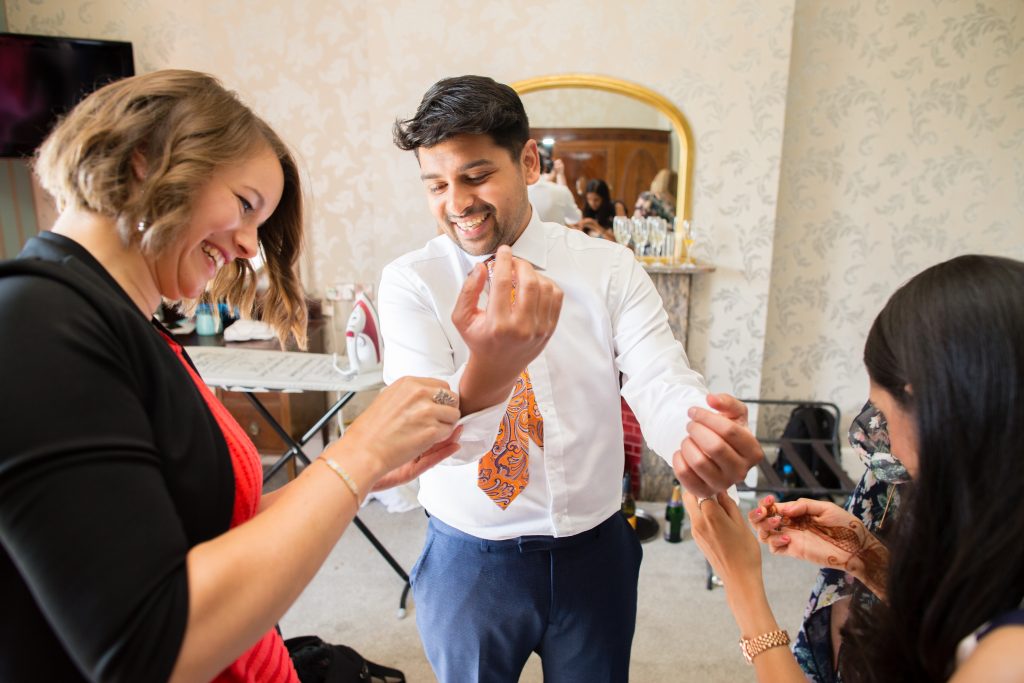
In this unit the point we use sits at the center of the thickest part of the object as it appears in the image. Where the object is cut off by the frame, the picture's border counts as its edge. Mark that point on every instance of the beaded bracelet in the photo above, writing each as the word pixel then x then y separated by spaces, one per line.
pixel 343 475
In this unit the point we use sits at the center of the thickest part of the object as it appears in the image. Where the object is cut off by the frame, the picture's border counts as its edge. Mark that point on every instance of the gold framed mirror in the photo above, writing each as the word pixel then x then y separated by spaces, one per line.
pixel 681 128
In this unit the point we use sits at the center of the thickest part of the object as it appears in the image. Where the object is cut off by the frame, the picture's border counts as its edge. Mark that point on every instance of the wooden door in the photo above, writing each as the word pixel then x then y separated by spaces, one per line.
pixel 625 158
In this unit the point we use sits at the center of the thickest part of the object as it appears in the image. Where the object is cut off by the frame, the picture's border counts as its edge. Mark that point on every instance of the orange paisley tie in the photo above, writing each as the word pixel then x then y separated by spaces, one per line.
pixel 504 471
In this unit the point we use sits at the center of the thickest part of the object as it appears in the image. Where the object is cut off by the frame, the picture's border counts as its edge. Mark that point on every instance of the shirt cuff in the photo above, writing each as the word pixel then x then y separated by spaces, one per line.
pixel 479 429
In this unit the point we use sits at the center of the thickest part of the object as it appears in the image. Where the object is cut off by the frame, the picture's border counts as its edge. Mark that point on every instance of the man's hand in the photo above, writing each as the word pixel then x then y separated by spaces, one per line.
pixel 719 450
pixel 509 333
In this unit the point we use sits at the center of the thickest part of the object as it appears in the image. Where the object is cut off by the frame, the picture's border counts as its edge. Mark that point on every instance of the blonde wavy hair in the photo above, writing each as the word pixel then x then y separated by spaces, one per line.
pixel 185 125
pixel 664 184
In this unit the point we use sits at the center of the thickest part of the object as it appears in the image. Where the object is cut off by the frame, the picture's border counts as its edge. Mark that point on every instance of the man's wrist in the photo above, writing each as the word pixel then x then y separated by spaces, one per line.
pixel 481 386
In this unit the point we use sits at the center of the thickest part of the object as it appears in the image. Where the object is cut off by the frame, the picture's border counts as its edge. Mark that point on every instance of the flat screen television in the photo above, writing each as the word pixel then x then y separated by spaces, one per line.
pixel 42 77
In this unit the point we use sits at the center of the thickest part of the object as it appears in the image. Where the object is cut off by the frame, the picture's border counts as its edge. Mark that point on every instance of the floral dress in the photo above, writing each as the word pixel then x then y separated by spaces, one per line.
pixel 875 501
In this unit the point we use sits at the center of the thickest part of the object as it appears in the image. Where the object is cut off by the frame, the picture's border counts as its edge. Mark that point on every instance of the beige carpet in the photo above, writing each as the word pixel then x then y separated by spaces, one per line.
pixel 684 632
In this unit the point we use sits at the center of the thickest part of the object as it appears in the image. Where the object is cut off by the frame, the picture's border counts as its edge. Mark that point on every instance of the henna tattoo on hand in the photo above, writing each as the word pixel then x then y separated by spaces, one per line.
pixel 866 554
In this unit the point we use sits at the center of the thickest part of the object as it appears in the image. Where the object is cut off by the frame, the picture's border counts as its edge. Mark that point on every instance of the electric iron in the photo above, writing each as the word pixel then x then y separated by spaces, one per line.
pixel 362 337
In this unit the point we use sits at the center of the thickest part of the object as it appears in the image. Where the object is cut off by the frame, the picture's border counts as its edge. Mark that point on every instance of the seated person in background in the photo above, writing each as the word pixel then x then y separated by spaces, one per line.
pixel 553 200
pixel 875 502
pixel 135 542
pixel 620 208
pixel 664 185
pixel 647 204
pixel 598 211
pixel 951 581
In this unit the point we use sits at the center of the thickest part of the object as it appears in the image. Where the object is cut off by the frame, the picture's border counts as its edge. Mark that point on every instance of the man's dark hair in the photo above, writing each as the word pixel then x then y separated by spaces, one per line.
pixel 466 105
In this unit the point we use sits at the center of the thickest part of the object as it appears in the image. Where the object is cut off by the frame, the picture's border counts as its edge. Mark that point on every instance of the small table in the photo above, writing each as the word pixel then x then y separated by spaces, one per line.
pixel 255 370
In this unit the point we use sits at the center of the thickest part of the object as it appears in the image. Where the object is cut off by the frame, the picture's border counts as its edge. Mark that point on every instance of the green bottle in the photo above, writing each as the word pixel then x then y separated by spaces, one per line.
pixel 628 502
pixel 674 514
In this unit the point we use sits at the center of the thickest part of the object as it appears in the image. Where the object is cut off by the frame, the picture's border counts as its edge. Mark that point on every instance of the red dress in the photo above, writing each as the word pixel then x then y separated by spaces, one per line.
pixel 267 661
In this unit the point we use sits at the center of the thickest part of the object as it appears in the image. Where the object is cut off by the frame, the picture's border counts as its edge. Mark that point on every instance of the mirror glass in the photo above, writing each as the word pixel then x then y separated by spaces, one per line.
pixel 605 135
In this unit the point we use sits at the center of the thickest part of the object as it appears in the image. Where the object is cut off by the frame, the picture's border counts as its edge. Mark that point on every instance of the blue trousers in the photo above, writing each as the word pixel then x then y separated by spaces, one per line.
pixel 483 606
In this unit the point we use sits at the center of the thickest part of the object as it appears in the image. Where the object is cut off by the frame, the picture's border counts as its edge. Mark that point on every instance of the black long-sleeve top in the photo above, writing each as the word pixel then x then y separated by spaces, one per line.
pixel 111 469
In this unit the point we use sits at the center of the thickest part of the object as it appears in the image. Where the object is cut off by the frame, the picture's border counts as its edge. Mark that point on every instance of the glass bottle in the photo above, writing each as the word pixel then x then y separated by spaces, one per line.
pixel 628 502
pixel 674 514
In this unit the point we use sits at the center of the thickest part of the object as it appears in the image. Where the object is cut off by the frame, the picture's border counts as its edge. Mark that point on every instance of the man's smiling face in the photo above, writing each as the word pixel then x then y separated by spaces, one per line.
pixel 477 191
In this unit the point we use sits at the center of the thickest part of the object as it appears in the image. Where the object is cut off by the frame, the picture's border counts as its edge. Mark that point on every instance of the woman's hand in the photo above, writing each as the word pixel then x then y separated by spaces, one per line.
pixel 725 539
pixel 822 533
pixel 421 463
pixel 802 529
pixel 403 422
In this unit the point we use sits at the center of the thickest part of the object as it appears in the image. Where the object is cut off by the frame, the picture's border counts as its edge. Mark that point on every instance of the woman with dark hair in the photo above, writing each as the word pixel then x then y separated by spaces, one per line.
pixel 875 501
pixel 598 211
pixel 135 540
pixel 950 576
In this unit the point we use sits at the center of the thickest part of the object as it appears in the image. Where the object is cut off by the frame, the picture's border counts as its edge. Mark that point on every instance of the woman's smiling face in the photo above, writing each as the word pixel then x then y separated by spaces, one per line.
pixel 226 214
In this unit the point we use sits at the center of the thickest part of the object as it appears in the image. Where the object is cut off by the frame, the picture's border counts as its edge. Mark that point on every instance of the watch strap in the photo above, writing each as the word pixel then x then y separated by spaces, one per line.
pixel 755 646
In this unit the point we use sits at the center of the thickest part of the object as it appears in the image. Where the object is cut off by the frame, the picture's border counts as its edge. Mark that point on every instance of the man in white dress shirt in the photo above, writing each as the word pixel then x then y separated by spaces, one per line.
pixel 526 550
pixel 553 201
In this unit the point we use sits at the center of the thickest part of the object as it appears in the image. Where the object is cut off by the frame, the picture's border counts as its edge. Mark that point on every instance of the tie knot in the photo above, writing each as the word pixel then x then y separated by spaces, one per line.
pixel 490 275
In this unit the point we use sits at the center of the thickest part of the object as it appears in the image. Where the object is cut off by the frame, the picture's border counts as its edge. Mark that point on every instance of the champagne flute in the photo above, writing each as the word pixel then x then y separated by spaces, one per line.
pixel 620 226
pixel 670 244
pixel 688 239
pixel 640 235
pixel 656 228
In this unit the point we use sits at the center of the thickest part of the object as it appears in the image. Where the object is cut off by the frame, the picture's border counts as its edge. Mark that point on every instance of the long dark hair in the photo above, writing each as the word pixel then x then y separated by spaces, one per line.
pixel 604 213
pixel 949 347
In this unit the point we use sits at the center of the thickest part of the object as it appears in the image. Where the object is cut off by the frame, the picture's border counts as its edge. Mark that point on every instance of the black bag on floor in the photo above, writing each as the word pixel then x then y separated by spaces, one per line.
pixel 319 662
pixel 807 422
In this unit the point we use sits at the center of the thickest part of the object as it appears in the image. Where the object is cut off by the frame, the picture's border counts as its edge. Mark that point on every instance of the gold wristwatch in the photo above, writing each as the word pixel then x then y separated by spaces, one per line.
pixel 766 641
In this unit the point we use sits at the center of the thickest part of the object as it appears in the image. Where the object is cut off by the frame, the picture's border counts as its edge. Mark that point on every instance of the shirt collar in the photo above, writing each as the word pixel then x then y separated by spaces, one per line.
pixel 531 245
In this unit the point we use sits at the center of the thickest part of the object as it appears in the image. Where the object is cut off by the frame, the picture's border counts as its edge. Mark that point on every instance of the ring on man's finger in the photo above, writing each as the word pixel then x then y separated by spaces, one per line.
pixel 443 398
pixel 701 501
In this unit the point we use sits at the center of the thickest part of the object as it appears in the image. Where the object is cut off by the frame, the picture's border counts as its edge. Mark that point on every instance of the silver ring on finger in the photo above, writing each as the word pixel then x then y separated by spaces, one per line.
pixel 443 398
pixel 701 501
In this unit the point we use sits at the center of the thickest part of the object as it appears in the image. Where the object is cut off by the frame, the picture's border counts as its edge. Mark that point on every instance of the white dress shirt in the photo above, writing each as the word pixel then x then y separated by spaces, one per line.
pixel 612 321
pixel 553 202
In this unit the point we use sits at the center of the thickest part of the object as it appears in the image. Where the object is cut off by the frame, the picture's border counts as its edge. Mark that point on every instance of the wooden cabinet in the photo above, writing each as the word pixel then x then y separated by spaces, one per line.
pixel 295 412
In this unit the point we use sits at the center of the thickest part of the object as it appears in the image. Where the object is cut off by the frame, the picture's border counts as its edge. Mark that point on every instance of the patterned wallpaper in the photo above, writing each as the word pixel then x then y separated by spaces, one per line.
pixel 904 146
pixel 332 76
pixel 904 138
